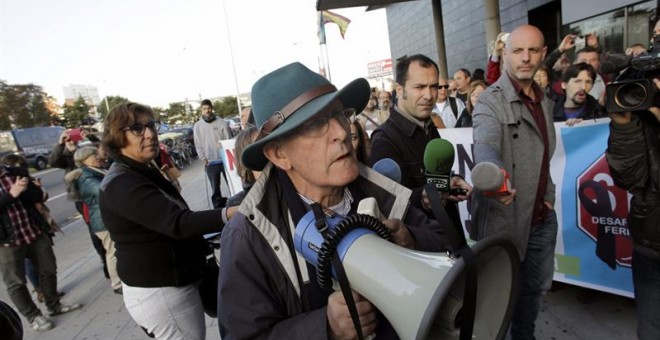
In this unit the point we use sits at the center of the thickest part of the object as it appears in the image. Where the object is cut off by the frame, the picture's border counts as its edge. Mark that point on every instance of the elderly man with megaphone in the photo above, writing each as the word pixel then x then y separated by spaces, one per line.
pixel 304 149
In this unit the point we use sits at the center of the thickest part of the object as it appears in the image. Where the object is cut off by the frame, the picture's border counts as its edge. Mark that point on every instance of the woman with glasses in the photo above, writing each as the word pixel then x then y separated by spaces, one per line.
pixel 160 248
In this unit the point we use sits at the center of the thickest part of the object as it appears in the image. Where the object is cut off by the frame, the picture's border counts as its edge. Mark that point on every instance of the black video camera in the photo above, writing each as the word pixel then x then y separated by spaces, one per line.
pixel 634 90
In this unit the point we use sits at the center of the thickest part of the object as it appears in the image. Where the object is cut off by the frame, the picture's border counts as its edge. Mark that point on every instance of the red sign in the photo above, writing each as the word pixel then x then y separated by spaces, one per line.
pixel 380 68
pixel 602 214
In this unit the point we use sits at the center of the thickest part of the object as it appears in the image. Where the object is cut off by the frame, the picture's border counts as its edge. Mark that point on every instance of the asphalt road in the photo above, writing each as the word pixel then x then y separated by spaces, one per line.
pixel 62 210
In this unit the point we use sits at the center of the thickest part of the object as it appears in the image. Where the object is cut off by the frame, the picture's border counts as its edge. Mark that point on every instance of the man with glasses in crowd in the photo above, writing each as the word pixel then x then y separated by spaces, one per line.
pixel 304 150
pixel 447 108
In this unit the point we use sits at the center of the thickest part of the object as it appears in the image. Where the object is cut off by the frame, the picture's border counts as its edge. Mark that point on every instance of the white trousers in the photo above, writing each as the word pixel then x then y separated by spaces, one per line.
pixel 170 313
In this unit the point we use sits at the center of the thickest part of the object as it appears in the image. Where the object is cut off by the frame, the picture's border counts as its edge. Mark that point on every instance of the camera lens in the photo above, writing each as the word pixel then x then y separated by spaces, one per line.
pixel 630 96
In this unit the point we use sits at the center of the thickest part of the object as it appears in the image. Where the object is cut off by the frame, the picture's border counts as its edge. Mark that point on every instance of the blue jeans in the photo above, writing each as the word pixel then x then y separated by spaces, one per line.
pixel 213 172
pixel 535 277
pixel 646 280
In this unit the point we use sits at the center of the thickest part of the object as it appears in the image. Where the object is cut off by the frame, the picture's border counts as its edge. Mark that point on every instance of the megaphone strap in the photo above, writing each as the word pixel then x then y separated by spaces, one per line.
pixel 322 227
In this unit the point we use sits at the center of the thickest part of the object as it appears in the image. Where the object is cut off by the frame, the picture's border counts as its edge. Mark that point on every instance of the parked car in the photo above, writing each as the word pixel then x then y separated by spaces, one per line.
pixel 35 144
pixel 234 125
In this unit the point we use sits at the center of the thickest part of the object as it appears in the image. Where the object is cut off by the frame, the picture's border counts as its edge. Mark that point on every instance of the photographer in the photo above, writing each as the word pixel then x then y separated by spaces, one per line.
pixel 633 155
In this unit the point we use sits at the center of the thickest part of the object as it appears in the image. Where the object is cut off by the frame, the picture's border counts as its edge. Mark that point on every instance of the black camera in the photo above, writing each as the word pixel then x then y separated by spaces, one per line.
pixel 12 171
pixel 634 90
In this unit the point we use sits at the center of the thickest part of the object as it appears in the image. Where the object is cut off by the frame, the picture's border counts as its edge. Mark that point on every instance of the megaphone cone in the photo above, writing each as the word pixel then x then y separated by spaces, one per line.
pixel 421 293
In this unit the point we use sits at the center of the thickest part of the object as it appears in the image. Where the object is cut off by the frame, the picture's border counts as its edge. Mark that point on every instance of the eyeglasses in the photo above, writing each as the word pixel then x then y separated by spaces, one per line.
pixel 318 126
pixel 443 87
pixel 138 129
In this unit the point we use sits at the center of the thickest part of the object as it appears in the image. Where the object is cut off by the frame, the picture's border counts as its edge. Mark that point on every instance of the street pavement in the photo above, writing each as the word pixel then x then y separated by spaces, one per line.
pixel 103 315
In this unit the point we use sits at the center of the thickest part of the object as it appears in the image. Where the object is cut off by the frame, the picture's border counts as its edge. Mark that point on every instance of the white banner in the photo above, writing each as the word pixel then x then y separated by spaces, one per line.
pixel 594 248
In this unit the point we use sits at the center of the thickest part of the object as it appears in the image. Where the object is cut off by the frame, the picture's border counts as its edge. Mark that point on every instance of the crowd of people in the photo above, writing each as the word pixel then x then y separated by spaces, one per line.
pixel 310 148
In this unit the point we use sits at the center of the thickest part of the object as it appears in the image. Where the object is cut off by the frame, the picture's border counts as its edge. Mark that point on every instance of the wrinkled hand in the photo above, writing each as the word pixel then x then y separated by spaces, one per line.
pixel 339 318
pixel 400 233
pixel 573 121
pixel 567 43
pixel 18 187
pixel 459 182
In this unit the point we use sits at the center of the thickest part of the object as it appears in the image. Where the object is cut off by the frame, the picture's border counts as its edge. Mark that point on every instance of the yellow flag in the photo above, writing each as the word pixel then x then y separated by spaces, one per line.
pixel 341 21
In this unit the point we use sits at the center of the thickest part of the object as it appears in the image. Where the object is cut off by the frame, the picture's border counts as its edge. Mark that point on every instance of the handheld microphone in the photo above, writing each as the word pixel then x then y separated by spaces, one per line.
pixel 492 180
pixel 388 168
pixel 438 161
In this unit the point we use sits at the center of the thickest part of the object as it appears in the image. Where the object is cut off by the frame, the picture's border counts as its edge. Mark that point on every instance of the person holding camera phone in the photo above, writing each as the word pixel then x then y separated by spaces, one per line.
pixel 633 155
pixel 62 157
pixel 24 233
pixel 588 52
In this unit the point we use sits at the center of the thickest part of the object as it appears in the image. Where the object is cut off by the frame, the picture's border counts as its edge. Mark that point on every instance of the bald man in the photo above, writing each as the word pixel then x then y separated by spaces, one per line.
pixel 513 129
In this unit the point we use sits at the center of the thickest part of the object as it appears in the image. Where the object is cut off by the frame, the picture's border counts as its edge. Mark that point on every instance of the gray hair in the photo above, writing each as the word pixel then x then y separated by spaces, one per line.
pixel 83 153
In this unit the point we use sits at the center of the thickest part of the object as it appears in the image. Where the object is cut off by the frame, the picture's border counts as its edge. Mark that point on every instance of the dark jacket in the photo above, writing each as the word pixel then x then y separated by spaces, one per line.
pixel 263 292
pixel 33 194
pixel 591 111
pixel 464 120
pixel 158 239
pixel 633 154
pixel 62 158
pixel 404 142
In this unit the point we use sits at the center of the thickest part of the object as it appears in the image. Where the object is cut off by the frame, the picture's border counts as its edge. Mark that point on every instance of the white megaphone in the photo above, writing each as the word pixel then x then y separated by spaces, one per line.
pixel 421 293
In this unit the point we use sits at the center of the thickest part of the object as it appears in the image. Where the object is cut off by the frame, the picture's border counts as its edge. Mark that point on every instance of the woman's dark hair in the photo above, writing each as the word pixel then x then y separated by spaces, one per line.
pixel 575 69
pixel 121 116
pixel 362 151
pixel 245 138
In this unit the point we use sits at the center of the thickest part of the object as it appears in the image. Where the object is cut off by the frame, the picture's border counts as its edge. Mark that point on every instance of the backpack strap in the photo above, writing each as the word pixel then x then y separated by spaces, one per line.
pixel 454 107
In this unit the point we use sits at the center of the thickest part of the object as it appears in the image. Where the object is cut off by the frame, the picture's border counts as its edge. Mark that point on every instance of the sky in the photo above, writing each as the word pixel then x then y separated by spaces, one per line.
pixel 161 51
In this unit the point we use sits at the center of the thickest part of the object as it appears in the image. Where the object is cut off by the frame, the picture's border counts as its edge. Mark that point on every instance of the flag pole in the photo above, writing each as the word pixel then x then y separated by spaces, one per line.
pixel 233 62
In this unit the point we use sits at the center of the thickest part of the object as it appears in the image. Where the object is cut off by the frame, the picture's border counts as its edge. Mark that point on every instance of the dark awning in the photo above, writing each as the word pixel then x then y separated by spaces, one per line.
pixel 373 4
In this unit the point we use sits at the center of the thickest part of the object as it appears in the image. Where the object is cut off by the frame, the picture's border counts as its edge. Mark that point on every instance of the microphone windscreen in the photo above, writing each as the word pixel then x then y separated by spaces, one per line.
pixel 388 168
pixel 439 156
pixel 487 176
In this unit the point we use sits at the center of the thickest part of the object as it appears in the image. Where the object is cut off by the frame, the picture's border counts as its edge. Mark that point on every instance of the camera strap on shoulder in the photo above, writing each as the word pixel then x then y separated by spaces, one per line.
pixel 453 105
pixel 322 227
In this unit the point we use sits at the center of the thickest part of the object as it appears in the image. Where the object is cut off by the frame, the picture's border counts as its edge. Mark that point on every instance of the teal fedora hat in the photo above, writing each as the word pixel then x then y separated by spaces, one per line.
pixel 288 97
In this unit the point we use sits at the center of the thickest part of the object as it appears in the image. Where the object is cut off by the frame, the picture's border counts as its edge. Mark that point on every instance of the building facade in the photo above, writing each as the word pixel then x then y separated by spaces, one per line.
pixel 457 33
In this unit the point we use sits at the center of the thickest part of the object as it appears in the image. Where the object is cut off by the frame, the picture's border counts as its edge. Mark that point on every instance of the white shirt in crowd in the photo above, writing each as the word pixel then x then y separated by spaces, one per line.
pixel 443 110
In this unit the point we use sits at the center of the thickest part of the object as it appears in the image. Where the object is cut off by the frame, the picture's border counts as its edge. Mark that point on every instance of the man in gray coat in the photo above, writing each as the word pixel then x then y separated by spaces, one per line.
pixel 208 132
pixel 513 129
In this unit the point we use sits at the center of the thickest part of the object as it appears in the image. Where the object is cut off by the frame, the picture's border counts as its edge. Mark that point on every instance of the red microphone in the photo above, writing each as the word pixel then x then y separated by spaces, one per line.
pixel 491 180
